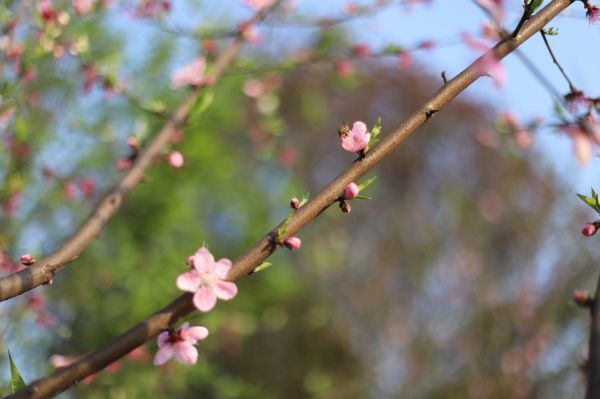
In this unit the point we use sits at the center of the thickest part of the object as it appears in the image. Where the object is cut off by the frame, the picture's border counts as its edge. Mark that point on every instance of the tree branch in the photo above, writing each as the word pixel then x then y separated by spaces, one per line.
pixel 593 364
pixel 42 271
pixel 245 263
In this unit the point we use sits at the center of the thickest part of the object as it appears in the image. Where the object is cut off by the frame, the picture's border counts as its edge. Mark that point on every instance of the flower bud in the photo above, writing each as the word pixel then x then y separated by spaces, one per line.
pixel 589 229
pixel 293 243
pixel 345 207
pixel 351 191
pixel 27 260
pixel 295 203
pixel 175 159
pixel 133 143
pixel 581 297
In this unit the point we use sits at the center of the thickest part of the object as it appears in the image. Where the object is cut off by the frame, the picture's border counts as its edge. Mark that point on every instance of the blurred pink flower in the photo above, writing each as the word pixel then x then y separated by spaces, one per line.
pixel 207 280
pixel 83 7
pixel 582 143
pixel 253 88
pixel 489 63
pixel 179 343
pixel 190 74
pixel 357 138
pixel 175 159
pixel 592 12
pixel 123 164
pixel 259 4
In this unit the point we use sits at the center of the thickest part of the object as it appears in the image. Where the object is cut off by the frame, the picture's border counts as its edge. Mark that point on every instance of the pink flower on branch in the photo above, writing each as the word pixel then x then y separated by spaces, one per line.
pixel 83 7
pixel 206 280
pixel 180 343
pixel 175 159
pixel 190 74
pixel 592 12
pixel 355 139
pixel 293 243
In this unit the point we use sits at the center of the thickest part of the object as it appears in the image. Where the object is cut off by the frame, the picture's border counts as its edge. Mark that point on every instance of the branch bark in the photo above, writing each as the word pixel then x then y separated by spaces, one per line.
pixel 42 271
pixel 593 366
pixel 245 263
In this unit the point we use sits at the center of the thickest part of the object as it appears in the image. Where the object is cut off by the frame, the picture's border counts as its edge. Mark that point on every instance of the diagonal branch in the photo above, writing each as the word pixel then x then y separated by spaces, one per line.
pixel 39 273
pixel 245 263
pixel 593 364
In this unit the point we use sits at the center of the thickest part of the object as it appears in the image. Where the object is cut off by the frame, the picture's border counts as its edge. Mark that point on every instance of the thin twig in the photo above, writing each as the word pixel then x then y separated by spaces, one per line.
pixel 560 68
pixel 245 263
pixel 39 273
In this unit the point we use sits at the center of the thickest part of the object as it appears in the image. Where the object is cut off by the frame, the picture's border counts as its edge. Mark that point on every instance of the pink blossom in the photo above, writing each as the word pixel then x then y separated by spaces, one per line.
pixel 351 191
pixel 293 243
pixel 582 143
pixel 253 88
pixel 190 74
pixel 133 143
pixel 179 343
pixel 287 156
pixel 123 164
pixel 87 186
pixel 344 68
pixel 592 12
pixel 70 189
pixel 207 280
pixel 258 5
pixel 175 159
pixel 489 63
pixel 249 33
pixel 495 7
pixel 404 59
pixel 357 138
pixel 361 50
pixel 83 7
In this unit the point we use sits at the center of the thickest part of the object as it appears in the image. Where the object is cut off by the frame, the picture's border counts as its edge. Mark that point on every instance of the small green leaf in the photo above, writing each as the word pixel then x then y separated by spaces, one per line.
pixel 589 201
pixel 532 5
pixel 551 31
pixel 362 197
pixel 262 266
pixel 366 183
pixel 16 381
pixel 304 199
pixel 204 101
pixel 374 133
pixel 281 230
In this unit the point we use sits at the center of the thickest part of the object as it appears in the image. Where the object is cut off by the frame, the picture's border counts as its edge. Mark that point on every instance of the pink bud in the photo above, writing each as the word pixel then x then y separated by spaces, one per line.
pixel 133 143
pixel 581 297
pixel 295 203
pixel 27 260
pixel 351 191
pixel 293 243
pixel 123 164
pixel 175 159
pixel 589 229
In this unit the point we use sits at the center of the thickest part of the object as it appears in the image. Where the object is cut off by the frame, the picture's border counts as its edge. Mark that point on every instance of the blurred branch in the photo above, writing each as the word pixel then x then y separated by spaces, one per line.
pixel 245 263
pixel 42 271
pixel 593 364
pixel 535 71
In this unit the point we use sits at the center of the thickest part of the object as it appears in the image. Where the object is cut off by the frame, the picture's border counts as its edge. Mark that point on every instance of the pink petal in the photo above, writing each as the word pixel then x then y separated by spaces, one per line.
pixel 205 298
pixel 194 334
pixel 162 338
pixel 583 148
pixel 222 268
pixel 225 290
pixel 163 354
pixel 204 261
pixel 186 353
pixel 189 281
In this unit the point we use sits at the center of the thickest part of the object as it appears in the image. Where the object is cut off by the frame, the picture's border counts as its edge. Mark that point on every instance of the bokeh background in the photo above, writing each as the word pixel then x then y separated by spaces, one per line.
pixel 454 281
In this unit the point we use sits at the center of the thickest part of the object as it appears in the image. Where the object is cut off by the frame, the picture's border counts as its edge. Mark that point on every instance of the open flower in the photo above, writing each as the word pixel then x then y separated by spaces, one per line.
pixel 207 280
pixel 190 74
pixel 179 343
pixel 355 139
